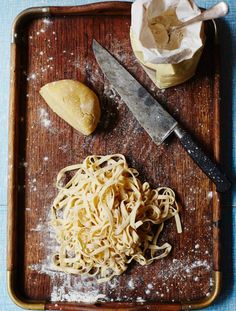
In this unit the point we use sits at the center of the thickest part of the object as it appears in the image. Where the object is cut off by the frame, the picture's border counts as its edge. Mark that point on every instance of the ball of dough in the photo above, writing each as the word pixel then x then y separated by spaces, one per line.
pixel 74 102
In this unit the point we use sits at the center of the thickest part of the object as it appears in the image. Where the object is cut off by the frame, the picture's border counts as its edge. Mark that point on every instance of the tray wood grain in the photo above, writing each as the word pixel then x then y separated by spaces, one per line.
pixel 55 43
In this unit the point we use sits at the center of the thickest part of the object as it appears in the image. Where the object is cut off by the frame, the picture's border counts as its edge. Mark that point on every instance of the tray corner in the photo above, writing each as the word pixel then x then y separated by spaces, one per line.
pixel 16 297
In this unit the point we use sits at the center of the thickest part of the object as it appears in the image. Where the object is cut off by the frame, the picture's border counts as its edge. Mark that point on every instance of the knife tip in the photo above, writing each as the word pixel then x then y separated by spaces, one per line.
pixel 96 45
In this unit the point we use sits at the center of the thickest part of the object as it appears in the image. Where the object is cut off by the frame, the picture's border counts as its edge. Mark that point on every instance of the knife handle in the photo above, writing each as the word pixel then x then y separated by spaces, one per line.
pixel 203 161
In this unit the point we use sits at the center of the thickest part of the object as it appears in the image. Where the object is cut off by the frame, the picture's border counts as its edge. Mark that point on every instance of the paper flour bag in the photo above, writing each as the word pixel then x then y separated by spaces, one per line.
pixel 169 56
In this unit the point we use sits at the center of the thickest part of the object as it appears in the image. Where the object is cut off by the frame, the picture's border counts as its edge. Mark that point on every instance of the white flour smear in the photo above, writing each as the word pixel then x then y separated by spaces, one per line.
pixel 72 288
pixel 64 287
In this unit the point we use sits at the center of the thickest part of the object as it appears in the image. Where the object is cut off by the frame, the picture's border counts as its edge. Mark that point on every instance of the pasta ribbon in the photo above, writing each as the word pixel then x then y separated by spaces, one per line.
pixel 104 218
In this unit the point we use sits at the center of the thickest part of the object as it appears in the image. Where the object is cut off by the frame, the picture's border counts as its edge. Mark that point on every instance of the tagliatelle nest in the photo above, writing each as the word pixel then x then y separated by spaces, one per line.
pixel 104 218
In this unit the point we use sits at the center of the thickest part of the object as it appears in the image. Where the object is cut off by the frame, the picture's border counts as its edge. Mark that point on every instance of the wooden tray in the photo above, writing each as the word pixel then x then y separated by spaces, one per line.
pixel 55 43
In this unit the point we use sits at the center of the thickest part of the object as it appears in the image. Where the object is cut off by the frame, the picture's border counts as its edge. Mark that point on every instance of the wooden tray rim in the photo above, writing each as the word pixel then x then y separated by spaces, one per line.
pixel 17 298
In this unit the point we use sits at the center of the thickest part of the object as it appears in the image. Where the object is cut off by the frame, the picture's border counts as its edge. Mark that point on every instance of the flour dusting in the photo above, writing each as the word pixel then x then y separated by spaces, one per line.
pixel 64 287
pixel 43 117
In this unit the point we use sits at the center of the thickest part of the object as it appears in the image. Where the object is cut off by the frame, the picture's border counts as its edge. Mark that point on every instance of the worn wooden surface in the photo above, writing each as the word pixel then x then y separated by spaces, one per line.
pixel 59 47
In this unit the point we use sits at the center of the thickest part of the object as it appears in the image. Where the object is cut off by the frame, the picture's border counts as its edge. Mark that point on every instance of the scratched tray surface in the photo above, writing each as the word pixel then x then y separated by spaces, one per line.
pixel 59 47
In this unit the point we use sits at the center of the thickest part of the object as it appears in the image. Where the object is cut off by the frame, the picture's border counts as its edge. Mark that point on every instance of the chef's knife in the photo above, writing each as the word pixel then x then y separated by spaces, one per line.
pixel 157 122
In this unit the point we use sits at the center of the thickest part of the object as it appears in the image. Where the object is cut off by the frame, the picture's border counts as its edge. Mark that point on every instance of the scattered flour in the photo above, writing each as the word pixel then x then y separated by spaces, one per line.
pixel 150 286
pixel 59 294
pixel 38 228
pixel 32 76
pixel 64 287
pixel 114 283
pixel 131 284
pixel 47 21
pixel 71 291
pixel 64 148
pixel 181 267
pixel 43 117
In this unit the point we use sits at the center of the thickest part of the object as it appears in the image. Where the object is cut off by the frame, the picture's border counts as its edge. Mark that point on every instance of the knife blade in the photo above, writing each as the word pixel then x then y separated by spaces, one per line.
pixel 157 122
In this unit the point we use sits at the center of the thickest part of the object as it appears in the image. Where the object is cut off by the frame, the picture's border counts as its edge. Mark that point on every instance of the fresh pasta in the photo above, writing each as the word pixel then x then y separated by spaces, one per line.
pixel 104 218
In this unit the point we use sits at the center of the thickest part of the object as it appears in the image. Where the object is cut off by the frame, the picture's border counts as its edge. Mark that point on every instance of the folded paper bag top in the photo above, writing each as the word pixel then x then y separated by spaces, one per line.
pixel 169 57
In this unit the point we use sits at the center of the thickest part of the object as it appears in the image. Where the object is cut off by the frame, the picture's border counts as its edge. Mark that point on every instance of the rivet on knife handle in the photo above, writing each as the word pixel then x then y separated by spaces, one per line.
pixel 203 161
